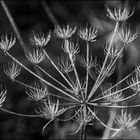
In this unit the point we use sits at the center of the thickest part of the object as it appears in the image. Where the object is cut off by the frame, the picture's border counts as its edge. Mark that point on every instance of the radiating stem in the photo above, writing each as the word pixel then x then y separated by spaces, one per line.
pixel 116 91
pixel 31 87
pixel 103 67
pixel 87 75
pixel 109 68
pixel 52 77
pixel 75 71
pixel 58 69
pixel 40 78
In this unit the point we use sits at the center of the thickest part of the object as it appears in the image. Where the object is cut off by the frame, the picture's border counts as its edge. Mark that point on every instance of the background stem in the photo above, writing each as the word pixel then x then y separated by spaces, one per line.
pixel 83 132
pixel 112 115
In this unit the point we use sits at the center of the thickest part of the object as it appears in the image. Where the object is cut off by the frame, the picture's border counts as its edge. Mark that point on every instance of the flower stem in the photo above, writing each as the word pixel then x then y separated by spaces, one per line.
pixel 87 76
pixel 75 71
pixel 11 20
pixel 83 132
pixel 19 114
pixel 40 78
pixel 49 13
pixel 58 69
pixel 98 78
pixel 112 115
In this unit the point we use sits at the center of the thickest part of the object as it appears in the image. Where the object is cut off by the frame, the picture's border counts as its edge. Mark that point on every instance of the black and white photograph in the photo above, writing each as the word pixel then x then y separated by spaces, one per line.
pixel 69 69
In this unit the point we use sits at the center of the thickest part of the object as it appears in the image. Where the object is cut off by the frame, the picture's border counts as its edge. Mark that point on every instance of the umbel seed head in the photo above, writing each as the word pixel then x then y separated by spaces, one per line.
pixel 119 13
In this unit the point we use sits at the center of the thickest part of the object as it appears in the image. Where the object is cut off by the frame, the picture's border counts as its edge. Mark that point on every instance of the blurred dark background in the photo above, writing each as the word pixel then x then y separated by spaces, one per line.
pixel 30 15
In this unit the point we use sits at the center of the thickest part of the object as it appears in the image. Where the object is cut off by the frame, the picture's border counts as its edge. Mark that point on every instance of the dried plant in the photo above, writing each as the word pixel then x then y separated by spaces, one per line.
pixel 75 92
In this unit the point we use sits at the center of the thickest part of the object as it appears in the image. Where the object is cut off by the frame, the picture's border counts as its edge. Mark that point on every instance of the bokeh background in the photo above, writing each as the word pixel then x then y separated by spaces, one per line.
pixel 32 15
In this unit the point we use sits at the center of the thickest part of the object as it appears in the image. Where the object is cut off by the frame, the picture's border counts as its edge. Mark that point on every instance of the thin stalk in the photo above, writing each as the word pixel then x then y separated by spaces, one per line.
pixel 15 28
pixel 75 71
pixel 56 129
pixel 116 91
pixel 112 115
pixel 83 132
pixel 19 114
pixel 117 83
pixel 108 69
pixel 112 112
pixel 40 74
pixel 13 24
pixel 52 77
pixel 110 45
pixel 49 12
pixel 40 78
pixel 70 79
pixel 58 69
pixel 87 75
pixel 120 107
pixel 111 64
pixel 114 129
pixel 26 85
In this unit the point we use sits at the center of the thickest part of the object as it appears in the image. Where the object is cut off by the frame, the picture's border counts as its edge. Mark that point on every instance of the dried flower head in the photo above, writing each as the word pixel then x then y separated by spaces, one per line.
pixel 134 83
pixel 12 70
pixel 64 32
pixel 119 13
pixel 88 34
pixel 2 95
pixel 125 121
pixel 79 90
pixel 70 49
pixel 92 63
pixel 37 93
pixel 52 109
pixel 36 55
pixel 40 39
pixel 106 71
pixel 126 36
pixel 7 42
pixel 64 65
pixel 84 117
pixel 115 51
pixel 109 94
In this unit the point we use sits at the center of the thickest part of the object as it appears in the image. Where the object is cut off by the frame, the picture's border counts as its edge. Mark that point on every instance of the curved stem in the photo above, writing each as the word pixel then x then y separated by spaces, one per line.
pixel 43 130
pixel 114 129
pixel 19 114
pixel 72 116
pixel 112 115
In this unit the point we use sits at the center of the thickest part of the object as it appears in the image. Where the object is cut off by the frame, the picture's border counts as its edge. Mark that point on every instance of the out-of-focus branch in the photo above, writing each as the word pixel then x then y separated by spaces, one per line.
pixel 49 12
pixel 17 32
pixel 11 20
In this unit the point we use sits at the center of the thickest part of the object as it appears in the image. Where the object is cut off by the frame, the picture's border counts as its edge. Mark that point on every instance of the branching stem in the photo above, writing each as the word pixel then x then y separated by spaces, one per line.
pixel 103 67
